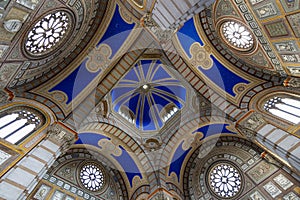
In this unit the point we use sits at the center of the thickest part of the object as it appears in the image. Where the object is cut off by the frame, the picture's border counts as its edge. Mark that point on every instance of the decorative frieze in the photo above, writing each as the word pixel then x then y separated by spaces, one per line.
pixel 62 135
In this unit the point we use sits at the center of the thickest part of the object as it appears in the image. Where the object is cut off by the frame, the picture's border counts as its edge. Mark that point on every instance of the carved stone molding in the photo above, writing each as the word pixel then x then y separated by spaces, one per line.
pixel 62 135
pixel 162 35
pixel 292 82
pixel 5 96
pixel 250 124
pixel 161 194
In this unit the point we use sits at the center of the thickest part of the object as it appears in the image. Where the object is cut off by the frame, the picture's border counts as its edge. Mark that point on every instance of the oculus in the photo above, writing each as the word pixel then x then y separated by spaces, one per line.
pixel 48 33
pixel 92 177
pixel 224 180
pixel 237 35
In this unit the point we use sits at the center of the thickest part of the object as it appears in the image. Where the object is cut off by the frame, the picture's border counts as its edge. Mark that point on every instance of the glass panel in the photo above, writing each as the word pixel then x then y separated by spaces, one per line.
pixel 7 119
pixel 17 136
pixel 291 102
pixel 12 127
pixel 285 115
pixel 288 108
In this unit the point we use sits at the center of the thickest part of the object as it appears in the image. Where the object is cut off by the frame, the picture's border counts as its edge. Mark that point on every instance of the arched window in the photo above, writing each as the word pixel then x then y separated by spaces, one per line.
pixel 19 122
pixel 284 107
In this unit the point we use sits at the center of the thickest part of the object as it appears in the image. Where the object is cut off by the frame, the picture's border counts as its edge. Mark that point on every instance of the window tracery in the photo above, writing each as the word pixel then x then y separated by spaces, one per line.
pixel 225 180
pixel 92 177
pixel 285 108
pixel 47 33
pixel 16 125
pixel 237 35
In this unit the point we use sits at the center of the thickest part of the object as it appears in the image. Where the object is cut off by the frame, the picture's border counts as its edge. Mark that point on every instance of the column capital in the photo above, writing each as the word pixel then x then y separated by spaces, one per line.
pixel 160 34
pixel 62 135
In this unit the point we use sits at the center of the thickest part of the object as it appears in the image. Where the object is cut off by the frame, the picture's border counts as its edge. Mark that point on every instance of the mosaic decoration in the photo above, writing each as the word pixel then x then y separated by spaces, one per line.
pixel 260 37
pixel 3 49
pixel 266 10
pixel 277 29
pixel 145 93
pixel 225 180
pixel 290 5
pixel 4 3
pixel 13 21
pixel 294 58
pixel 256 196
pixel 42 192
pixel 283 182
pixel 28 3
pixel 237 35
pixel 287 46
pixel 58 195
pixel 253 2
pixel 7 72
pixel 291 196
pixel 272 189
pixel 225 8
pixel 261 171
pixel 47 33
pixel 92 177
pixel 294 21
pixel 294 70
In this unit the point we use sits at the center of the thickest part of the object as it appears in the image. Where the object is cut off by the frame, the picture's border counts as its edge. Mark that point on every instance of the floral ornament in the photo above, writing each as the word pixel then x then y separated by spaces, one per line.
pixel 99 58
pixel 200 56
pixel 92 177
pixel 225 180
pixel 237 35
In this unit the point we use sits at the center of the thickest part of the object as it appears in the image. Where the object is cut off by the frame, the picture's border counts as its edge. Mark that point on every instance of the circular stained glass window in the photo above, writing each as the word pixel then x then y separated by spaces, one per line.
pixel 225 180
pixel 47 33
pixel 237 35
pixel 92 177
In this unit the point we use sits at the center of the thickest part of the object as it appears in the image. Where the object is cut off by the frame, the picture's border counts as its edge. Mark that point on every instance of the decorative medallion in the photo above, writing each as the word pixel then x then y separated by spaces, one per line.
pixel 237 35
pixel 92 177
pixel 48 33
pixel 225 180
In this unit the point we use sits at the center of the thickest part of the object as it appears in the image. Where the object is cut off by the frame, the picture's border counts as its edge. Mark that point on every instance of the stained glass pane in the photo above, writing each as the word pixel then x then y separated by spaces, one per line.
pixel 225 180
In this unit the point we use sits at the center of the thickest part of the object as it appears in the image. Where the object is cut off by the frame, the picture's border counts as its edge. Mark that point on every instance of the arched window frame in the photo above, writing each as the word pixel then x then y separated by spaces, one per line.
pixel 32 116
pixel 281 95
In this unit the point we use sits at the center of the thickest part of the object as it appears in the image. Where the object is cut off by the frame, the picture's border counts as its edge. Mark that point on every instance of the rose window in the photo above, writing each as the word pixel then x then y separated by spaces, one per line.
pixel 225 180
pixel 47 33
pixel 92 177
pixel 237 35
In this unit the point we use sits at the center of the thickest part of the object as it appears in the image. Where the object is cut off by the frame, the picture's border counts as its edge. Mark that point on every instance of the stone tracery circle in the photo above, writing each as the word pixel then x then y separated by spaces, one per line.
pixel 225 180
pixel 48 33
pixel 237 35
pixel 92 177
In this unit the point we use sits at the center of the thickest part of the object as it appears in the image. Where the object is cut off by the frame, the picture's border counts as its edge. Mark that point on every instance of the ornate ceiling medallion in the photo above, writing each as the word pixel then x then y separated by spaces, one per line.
pixel 237 35
pixel 225 180
pixel 48 33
